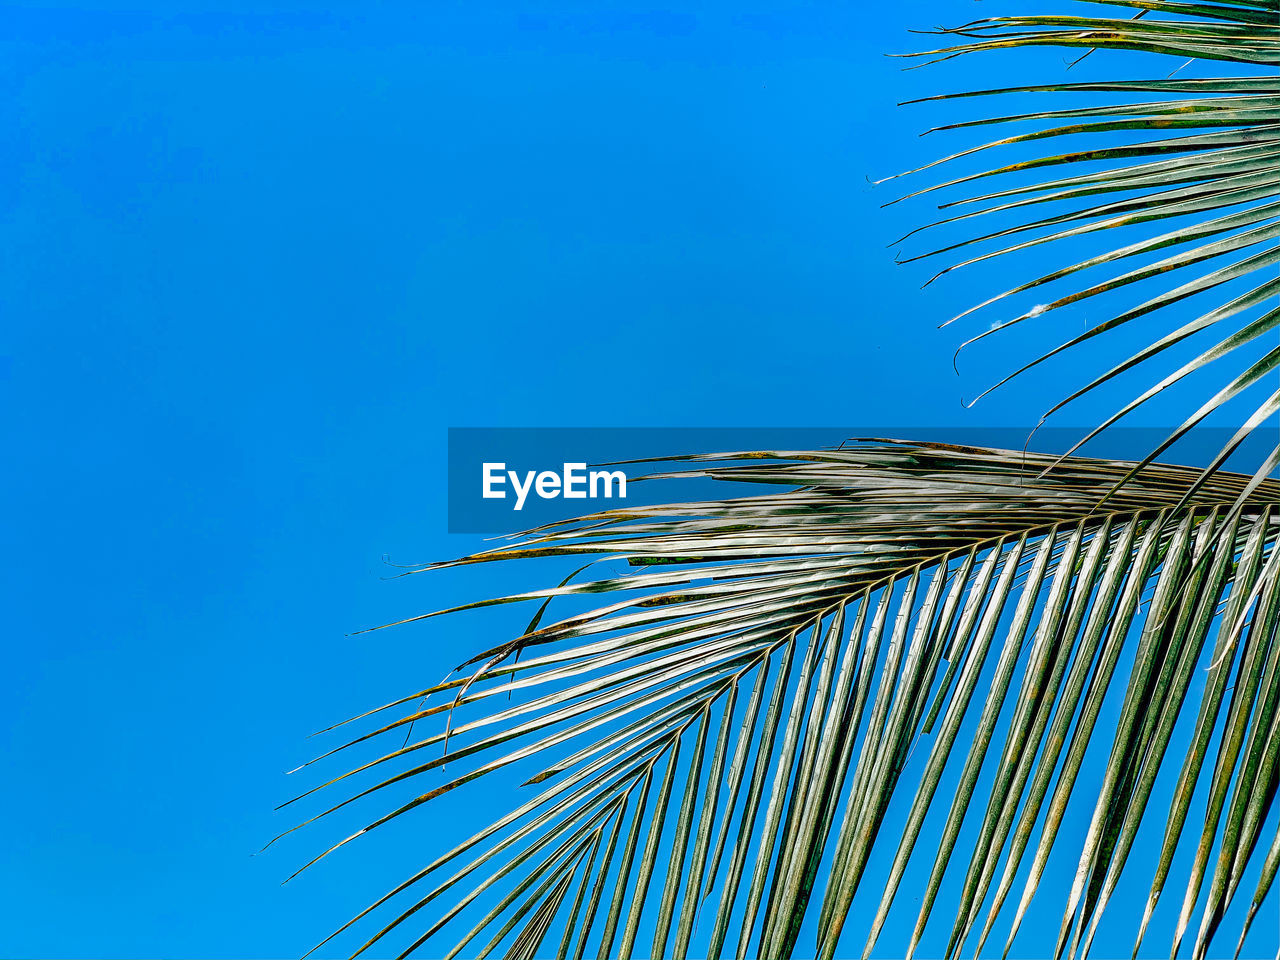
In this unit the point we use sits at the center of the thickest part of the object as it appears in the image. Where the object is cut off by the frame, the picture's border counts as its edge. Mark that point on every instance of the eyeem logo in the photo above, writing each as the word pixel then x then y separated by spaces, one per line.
pixel 573 482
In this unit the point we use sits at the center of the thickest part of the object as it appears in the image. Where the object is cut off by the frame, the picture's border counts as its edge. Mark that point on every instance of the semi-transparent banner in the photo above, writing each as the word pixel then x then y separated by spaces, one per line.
pixel 505 480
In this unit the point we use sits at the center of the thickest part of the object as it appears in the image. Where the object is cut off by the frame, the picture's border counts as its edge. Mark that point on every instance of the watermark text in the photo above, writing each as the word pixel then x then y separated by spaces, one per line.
pixel 573 482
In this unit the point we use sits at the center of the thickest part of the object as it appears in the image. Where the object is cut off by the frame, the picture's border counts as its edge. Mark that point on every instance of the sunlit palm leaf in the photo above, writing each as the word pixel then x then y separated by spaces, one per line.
pixel 721 739
pixel 1195 161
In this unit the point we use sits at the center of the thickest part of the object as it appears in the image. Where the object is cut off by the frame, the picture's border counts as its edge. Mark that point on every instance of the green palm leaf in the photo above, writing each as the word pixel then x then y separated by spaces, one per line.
pixel 711 749
pixel 1192 164
pixel 711 754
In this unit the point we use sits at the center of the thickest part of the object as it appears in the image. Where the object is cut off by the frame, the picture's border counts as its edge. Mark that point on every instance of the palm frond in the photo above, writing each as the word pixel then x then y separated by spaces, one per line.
pixel 1193 162
pixel 714 742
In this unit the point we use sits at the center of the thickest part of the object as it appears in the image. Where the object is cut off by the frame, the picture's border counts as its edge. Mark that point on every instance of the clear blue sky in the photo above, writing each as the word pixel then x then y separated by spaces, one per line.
pixel 258 257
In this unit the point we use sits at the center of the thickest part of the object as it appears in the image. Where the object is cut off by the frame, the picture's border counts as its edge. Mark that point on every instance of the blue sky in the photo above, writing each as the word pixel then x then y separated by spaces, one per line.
pixel 261 256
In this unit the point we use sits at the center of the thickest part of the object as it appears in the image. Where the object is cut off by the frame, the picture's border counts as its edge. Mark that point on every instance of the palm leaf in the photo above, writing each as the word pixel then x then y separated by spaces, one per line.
pixel 716 747
pixel 711 745
pixel 1192 164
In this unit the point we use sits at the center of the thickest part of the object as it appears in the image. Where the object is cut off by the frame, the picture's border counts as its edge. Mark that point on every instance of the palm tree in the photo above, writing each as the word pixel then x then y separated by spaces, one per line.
pixel 716 737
